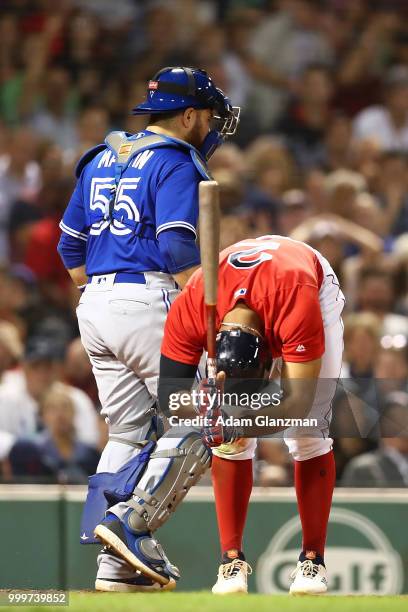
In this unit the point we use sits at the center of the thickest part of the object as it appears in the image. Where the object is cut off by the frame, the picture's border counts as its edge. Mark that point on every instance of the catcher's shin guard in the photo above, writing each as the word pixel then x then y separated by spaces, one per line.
pixel 188 462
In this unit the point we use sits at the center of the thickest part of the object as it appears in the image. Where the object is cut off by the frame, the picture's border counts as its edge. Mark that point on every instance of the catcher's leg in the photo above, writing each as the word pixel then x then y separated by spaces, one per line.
pixel 121 330
pixel 179 460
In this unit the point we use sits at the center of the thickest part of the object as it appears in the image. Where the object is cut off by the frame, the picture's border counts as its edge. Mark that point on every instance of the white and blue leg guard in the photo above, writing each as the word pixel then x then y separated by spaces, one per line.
pixel 106 489
pixel 178 462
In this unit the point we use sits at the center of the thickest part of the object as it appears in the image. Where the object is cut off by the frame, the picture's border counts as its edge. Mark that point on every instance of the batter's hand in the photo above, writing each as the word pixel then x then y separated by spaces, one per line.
pixel 210 394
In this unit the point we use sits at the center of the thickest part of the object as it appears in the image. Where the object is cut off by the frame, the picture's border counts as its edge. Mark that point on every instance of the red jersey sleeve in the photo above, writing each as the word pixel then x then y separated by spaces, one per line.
pixel 301 329
pixel 181 341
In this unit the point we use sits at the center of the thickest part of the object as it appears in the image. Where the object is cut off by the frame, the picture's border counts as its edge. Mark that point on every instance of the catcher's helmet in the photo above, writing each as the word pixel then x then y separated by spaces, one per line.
pixel 176 88
pixel 241 354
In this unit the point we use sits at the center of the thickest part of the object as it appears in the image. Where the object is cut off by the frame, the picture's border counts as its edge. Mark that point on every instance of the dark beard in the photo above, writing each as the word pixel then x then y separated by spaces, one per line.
pixel 195 137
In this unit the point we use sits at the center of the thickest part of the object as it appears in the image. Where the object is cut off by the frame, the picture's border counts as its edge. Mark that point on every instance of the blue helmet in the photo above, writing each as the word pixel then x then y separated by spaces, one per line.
pixel 176 88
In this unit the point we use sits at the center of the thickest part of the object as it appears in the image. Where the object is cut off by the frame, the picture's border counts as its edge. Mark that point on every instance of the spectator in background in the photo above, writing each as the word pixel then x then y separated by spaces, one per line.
pixel 93 125
pixel 294 211
pixel 25 50
pixel 20 179
pixel 55 454
pixel 388 466
pixel 342 187
pixel 391 189
pixel 41 255
pixel 333 236
pixel 160 42
pixel 70 460
pixel 24 211
pixel 275 469
pixel 376 294
pixel 337 150
pixel 371 35
pixel 229 157
pixel 287 42
pixel 11 347
pixel 54 117
pixel 270 167
pixel 387 124
pixel 16 289
pixel 22 390
pixel 391 366
pixel 361 343
pixel 353 421
pixel 83 30
pixel 305 122
pixel 224 65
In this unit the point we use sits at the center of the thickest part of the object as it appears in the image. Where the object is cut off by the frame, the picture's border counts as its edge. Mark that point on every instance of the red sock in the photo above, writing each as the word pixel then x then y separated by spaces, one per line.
pixel 232 482
pixel 314 483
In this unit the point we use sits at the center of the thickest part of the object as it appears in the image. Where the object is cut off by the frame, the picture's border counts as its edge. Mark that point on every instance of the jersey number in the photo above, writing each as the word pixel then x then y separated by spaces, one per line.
pixel 252 256
pixel 124 204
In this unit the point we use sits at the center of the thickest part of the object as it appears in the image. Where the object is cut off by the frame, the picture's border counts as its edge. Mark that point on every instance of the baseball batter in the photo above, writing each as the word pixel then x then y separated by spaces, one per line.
pixel 129 242
pixel 278 300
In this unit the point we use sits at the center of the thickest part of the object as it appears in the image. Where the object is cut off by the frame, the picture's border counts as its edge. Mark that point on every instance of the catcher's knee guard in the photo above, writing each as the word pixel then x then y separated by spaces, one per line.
pixel 188 462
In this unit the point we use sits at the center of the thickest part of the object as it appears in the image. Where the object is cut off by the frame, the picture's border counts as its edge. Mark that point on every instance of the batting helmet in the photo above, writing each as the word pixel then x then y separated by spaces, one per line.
pixel 241 354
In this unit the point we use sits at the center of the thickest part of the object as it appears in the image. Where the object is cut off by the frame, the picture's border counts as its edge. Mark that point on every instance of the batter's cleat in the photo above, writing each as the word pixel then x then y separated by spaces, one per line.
pixel 138 584
pixel 142 552
pixel 309 578
pixel 232 576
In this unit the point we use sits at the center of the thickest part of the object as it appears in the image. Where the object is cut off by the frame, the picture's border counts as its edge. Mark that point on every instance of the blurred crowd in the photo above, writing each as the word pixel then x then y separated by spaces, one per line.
pixel 321 155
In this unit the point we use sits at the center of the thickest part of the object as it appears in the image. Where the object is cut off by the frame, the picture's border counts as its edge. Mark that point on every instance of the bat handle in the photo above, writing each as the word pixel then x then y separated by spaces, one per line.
pixel 211 342
pixel 211 369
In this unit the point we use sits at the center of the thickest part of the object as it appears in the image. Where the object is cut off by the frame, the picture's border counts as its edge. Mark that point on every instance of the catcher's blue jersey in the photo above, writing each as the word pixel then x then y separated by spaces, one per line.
pixel 158 190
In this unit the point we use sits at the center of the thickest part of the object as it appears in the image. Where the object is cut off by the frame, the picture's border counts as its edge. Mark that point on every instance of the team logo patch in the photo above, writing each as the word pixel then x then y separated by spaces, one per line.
pixel 239 292
pixel 153 84
pixel 300 348
pixel 125 149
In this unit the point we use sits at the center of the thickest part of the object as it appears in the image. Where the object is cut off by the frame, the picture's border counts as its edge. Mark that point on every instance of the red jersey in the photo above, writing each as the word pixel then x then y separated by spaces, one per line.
pixel 278 278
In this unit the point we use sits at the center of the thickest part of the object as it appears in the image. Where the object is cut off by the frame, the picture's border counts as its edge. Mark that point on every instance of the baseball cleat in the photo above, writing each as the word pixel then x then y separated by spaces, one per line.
pixel 138 584
pixel 142 552
pixel 232 578
pixel 308 579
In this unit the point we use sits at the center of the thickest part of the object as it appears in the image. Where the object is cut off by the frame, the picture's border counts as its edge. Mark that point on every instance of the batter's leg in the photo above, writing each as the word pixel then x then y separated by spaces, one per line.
pixel 232 477
pixel 315 472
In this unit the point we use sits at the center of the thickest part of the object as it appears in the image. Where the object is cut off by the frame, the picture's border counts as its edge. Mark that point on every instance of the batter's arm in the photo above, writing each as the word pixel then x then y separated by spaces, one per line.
pixel 182 277
pixel 298 383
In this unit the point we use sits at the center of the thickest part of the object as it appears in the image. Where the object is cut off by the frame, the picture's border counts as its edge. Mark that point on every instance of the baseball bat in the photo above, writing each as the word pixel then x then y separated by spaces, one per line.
pixel 209 227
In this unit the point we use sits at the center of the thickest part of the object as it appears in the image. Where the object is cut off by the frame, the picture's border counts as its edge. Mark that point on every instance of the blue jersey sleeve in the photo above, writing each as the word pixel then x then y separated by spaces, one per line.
pixel 178 249
pixel 73 221
pixel 177 199
pixel 72 251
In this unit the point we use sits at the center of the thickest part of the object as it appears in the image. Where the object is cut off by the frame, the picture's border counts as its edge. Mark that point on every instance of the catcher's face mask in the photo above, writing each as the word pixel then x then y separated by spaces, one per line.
pixel 223 124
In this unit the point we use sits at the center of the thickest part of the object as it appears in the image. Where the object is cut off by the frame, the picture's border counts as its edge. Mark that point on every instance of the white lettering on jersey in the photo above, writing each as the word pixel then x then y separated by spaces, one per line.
pixel 124 204
pixel 141 159
pixel 106 160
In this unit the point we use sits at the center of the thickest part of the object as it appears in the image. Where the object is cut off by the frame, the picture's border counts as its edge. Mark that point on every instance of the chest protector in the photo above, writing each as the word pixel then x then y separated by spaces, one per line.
pixel 125 147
